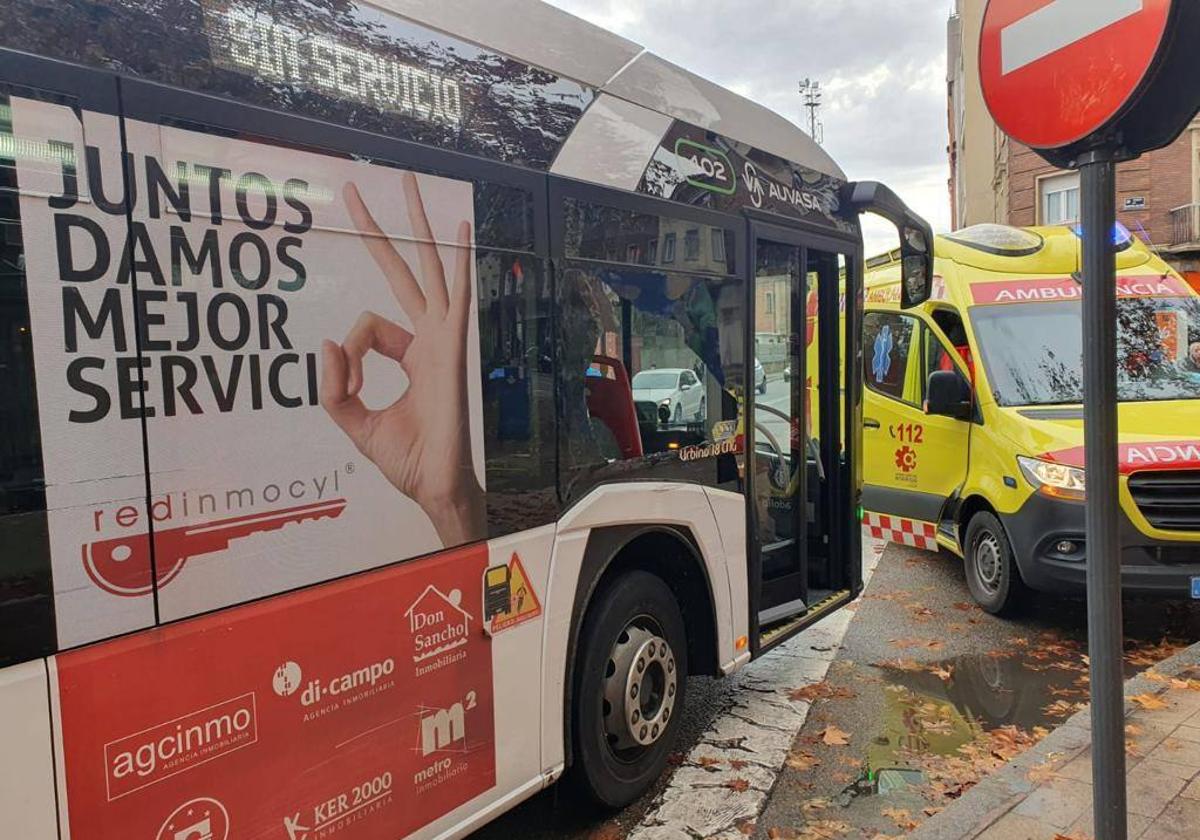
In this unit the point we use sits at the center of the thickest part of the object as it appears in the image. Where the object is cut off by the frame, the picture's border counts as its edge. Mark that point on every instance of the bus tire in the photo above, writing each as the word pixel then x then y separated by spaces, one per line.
pixel 991 567
pixel 629 691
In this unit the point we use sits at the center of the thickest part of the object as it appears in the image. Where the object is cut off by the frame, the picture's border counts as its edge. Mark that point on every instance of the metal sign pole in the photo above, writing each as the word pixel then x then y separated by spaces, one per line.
pixel 1105 629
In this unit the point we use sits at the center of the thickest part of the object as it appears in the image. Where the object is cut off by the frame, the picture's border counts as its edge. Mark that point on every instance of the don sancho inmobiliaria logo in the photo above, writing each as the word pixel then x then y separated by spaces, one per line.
pixel 177 745
pixel 439 627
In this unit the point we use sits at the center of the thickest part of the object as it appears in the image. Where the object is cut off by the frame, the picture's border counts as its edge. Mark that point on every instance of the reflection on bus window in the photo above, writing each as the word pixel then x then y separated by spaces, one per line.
pixel 662 361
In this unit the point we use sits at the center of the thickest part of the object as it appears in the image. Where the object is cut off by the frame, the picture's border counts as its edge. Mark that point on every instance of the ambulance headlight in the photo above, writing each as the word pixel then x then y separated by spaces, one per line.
pixel 1055 480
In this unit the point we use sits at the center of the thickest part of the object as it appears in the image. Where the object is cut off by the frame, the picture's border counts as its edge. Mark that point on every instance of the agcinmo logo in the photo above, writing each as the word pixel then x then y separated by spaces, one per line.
pixel 153 754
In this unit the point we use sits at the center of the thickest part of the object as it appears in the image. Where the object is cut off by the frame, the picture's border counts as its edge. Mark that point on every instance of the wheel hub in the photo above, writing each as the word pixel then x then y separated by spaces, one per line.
pixel 987 562
pixel 639 688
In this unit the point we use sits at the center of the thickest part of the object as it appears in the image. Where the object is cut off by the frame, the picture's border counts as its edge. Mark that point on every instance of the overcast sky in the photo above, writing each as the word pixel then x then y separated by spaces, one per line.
pixel 882 64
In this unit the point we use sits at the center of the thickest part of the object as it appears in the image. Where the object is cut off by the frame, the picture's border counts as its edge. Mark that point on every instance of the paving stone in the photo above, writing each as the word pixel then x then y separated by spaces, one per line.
pixel 1177 711
pixel 1149 736
pixel 705 812
pixel 1179 821
pixel 1078 768
pixel 1150 788
pixel 1176 751
pixel 1085 826
pixel 1014 826
pixel 1192 791
pixel 1057 803
pixel 1187 733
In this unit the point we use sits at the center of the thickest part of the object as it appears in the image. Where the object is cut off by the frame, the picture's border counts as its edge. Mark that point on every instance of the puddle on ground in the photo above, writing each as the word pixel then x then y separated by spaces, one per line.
pixel 937 709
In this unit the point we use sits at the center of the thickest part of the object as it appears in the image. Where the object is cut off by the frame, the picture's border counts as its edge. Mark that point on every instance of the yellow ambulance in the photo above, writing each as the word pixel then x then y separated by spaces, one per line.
pixel 973 424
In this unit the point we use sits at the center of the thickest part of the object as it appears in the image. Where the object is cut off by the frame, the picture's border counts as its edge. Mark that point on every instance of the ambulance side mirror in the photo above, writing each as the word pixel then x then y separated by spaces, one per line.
pixel 948 395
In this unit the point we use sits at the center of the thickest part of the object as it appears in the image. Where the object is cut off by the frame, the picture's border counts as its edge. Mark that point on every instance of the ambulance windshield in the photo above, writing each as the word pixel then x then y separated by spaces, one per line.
pixel 1033 351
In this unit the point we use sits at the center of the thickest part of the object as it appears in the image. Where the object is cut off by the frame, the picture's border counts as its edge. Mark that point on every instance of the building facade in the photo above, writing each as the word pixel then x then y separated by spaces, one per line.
pixel 995 179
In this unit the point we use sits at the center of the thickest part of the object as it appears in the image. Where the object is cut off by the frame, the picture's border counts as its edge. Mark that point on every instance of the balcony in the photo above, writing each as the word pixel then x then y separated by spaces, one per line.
pixel 1185 229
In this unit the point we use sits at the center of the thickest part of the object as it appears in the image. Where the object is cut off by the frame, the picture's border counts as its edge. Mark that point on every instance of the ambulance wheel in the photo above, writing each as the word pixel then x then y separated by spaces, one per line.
pixel 629 688
pixel 991 568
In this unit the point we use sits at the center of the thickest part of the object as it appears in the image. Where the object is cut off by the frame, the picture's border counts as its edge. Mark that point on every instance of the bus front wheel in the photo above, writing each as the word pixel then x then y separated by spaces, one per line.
pixel 991 567
pixel 629 688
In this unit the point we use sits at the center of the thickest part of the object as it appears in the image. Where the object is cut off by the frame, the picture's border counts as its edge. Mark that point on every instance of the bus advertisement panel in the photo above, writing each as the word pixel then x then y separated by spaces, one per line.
pixel 293 334
pixel 361 708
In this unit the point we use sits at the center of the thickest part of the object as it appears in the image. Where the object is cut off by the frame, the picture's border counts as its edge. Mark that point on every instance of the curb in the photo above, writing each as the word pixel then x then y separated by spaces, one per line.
pixel 1008 787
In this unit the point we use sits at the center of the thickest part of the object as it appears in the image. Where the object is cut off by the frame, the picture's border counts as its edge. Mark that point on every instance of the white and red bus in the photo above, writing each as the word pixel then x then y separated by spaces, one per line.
pixel 381 436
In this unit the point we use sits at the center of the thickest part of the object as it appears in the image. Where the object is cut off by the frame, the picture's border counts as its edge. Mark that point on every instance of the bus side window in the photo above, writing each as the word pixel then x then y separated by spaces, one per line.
pixel 515 348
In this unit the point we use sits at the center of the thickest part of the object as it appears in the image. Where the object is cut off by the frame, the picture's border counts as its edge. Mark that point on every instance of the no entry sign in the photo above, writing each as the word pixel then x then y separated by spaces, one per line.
pixel 1056 71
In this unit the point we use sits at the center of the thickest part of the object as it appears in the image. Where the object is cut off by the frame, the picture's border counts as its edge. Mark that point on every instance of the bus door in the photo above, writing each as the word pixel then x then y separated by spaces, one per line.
pixel 794 472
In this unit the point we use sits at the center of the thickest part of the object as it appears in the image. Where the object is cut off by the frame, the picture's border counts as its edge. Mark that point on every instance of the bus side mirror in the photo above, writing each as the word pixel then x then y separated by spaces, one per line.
pixel 916 237
pixel 916 266
pixel 948 395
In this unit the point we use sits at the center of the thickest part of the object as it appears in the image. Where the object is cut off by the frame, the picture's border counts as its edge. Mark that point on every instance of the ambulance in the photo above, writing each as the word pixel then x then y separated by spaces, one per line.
pixel 973 417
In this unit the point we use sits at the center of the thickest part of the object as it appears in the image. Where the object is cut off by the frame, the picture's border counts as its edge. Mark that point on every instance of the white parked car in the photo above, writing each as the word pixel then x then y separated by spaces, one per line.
pixel 760 377
pixel 677 390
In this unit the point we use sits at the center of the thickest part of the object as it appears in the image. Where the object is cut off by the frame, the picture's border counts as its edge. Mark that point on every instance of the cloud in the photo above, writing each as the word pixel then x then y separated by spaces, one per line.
pixel 882 66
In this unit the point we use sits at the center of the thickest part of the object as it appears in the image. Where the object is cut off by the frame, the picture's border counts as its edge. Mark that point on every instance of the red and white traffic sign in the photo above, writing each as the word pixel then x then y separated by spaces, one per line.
pixel 1056 71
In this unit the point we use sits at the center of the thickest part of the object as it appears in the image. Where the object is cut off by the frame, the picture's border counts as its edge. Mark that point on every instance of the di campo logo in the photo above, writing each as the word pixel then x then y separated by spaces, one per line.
pixel 322 696
pixel 287 679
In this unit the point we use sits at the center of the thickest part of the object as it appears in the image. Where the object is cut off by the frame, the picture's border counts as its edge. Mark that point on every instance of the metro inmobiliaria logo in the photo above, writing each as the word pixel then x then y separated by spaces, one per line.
pixel 166 749
pixel 322 696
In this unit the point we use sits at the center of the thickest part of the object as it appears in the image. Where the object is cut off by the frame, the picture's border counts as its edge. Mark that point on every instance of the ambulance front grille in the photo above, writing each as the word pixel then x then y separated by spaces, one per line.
pixel 1170 501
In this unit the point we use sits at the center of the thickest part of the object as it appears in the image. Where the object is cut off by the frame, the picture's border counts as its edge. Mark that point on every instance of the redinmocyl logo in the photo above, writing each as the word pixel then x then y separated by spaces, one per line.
pixel 202 818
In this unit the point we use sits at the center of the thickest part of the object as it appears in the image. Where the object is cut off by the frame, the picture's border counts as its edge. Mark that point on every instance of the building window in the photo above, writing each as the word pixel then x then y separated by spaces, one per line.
pixel 770 303
pixel 668 255
pixel 691 245
pixel 1060 199
pixel 718 244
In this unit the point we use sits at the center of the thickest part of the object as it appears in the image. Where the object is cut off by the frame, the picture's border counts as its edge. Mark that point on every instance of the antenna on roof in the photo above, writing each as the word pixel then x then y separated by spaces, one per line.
pixel 810 89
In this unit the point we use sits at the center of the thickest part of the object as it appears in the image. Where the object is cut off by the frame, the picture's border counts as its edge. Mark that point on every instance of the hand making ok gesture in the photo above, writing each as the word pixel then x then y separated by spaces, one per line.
pixel 422 441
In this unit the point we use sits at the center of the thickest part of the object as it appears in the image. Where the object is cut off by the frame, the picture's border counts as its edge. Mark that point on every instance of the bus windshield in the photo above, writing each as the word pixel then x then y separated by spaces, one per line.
pixel 1033 351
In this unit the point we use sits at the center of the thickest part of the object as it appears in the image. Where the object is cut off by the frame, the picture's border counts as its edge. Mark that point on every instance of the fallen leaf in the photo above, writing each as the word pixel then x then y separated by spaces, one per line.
pixel 737 763
pixel 738 785
pixel 802 761
pixel 746 827
pixel 1149 702
pixel 834 737
pixel 814 805
pixel 901 817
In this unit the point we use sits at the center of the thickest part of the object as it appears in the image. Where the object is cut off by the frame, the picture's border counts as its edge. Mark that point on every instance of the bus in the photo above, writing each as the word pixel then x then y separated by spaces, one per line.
pixel 380 434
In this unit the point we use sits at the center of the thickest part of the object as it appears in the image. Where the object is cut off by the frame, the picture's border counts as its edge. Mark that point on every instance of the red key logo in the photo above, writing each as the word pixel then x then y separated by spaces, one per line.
pixel 121 565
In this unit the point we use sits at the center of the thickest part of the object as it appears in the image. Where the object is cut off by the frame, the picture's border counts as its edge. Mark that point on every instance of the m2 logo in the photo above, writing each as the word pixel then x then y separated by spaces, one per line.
pixel 713 169
pixel 441 729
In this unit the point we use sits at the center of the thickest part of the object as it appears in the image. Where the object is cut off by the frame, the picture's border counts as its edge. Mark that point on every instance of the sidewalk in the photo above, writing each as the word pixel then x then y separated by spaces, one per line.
pixel 1046 793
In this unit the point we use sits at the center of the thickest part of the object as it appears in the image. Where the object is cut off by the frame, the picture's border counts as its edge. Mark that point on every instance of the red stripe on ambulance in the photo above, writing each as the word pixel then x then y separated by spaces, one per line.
pixel 897 529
